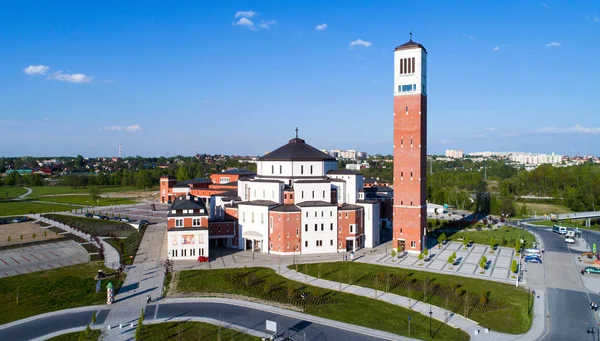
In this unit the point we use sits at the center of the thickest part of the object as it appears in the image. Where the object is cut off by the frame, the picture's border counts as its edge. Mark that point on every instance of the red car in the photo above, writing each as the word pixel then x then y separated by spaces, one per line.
pixel 202 259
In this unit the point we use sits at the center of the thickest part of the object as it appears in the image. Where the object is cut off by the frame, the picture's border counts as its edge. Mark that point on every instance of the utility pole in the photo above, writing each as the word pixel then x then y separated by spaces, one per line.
pixel 485 171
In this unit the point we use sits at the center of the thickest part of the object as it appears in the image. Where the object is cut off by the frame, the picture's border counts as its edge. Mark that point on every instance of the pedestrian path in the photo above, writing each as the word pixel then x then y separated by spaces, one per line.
pixel 454 320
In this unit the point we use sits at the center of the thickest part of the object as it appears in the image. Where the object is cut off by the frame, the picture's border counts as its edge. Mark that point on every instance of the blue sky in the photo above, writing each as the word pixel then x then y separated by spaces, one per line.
pixel 165 78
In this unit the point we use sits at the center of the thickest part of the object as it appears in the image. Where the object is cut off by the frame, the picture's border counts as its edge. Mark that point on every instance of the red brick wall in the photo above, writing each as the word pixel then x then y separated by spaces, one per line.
pixel 231 213
pixel 220 228
pixel 345 218
pixel 187 222
pixel 284 231
pixel 288 197
pixel 167 186
pixel 409 222
pixel 216 178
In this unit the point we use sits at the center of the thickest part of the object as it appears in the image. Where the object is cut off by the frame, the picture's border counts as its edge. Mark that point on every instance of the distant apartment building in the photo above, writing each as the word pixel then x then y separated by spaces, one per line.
pixel 535 159
pixel 453 153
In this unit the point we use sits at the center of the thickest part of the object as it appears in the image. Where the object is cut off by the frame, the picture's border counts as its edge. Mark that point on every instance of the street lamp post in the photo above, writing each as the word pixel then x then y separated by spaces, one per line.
pixel 303 295
pixel 430 313
pixel 594 331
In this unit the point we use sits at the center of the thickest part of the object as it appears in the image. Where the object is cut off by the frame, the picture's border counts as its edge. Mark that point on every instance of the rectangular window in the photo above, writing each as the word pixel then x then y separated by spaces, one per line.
pixel 178 222
pixel 288 245
pixel 252 217
pixel 315 214
pixel 316 227
pixel 272 172
pixel 413 244
pixel 307 214
pixel 323 194
pixel 322 213
pixel 407 87
pixel 405 68
pixel 346 215
pixel 331 227
pixel 298 231
pixel 351 228
pixel 306 243
pixel 305 227
pixel 322 227
pixel 413 64
pixel 319 243
pixel 313 194
pixel 280 170
pixel 311 169
pixel 409 65
pixel 301 169
pixel 183 253
pixel 331 242
pixel 302 194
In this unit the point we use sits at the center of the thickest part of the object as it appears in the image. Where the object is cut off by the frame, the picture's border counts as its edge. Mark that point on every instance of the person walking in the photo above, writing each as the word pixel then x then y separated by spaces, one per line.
pixel 148 299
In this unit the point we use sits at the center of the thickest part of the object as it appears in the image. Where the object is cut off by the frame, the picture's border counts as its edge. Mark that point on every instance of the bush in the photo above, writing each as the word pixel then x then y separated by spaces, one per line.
pixel 514 267
pixel 393 252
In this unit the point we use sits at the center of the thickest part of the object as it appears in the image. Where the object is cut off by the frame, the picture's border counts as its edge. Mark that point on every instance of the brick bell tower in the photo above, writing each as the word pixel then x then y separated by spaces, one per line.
pixel 410 147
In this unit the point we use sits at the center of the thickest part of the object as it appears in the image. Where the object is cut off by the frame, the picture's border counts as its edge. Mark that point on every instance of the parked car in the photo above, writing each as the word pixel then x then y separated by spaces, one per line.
pixel 115 218
pixel 203 259
pixel 530 257
pixel 125 220
pixel 89 215
pixel 19 219
pixel 532 251
pixel 536 260
pixel 103 217
pixel 96 216
pixel 592 270
pixel 569 240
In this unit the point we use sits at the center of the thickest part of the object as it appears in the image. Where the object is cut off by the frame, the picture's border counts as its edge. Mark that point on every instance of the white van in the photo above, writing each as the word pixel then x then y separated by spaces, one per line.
pixel 559 229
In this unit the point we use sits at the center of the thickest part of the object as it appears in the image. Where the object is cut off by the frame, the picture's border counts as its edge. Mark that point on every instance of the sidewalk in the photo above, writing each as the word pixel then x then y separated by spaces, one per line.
pixel 144 277
pixel 111 256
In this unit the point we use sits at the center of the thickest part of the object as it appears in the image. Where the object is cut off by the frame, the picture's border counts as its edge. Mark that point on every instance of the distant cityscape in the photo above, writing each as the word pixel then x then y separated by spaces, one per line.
pixel 529 160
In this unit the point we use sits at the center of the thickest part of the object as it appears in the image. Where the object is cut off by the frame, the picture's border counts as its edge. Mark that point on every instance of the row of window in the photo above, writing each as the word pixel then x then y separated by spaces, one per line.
pixel 184 252
pixel 322 214
pixel 317 227
pixel 281 169
pixel 407 65
pixel 313 194
pixel 318 243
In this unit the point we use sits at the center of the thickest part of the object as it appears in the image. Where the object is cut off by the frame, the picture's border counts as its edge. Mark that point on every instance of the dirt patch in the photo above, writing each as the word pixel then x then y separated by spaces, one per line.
pixel 541 209
pixel 137 195
pixel 20 233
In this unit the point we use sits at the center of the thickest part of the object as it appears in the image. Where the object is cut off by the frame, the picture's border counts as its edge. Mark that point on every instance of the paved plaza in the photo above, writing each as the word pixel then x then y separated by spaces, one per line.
pixel 41 257
pixel 466 263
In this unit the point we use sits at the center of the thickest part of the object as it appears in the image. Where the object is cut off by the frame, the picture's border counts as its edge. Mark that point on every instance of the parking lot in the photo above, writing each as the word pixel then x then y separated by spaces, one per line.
pixel 40 257
pixel 136 212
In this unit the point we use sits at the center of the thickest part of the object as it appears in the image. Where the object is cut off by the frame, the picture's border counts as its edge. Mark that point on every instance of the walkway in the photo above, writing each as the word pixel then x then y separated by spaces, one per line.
pixel 22 196
pixel 144 277
pixel 111 256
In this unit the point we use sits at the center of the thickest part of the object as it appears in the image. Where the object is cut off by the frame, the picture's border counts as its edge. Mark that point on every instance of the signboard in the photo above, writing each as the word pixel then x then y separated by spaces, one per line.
pixel 188 239
pixel 271 326
pixel 98 284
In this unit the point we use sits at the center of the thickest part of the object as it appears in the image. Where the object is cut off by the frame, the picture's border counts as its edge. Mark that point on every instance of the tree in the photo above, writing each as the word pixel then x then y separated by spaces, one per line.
pixel 483 263
pixel 524 212
pixel 518 246
pixel 421 258
pixel 465 242
pixel 441 239
pixel 182 173
pixel 492 244
pixel 514 267
pixel 426 253
pixel 94 194
pixel 450 260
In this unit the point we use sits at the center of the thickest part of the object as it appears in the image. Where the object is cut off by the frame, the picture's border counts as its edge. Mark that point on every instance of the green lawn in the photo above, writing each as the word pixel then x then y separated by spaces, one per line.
pixel 50 190
pixel 185 331
pixel 11 192
pixel 541 209
pixel 266 285
pixel 505 236
pixel 500 307
pixel 27 207
pixel 95 227
pixel 92 336
pixel 51 290
pixel 86 200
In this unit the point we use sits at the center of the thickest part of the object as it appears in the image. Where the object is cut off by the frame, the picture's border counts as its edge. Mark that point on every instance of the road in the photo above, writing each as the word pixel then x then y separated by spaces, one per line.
pixel 241 316
pixel 569 314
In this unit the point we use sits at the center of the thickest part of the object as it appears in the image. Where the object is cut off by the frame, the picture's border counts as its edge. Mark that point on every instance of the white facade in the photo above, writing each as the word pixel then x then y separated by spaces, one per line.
pixel 287 170
pixel 319 229
pixel 253 222
pixel 353 183
pixel 187 244
pixel 371 223
pixel 409 79
pixel 312 191
pixel 455 154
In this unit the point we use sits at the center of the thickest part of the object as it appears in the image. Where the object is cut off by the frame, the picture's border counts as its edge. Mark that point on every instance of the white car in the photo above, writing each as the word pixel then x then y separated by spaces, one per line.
pixel 569 240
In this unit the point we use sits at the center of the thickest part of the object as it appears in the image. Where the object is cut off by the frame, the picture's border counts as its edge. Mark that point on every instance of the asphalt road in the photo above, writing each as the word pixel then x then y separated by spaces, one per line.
pixel 569 315
pixel 242 316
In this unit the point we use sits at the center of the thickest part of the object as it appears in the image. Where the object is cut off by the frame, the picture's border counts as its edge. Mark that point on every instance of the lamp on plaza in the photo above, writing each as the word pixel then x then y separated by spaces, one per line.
pixel 430 313
pixel 303 295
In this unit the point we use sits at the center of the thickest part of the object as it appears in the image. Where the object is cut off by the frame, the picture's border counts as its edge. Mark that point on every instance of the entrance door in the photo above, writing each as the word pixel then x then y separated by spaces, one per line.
pixel 349 245
pixel 248 244
pixel 401 245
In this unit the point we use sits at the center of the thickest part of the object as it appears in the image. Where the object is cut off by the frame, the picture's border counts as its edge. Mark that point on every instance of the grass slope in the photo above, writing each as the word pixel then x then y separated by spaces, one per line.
pixel 191 331
pixel 500 307
pixel 86 200
pixel 266 285
pixel 128 247
pixel 541 209
pixel 51 290
pixel 95 227
pixel 51 190
pixel 505 236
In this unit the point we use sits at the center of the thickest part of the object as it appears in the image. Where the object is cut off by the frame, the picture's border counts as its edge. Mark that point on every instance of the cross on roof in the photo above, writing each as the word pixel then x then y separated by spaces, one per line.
pixel 410 35
pixel 296 132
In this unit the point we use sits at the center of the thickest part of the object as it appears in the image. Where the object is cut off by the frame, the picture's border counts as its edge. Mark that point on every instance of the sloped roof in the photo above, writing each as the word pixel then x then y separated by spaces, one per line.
pixel 410 45
pixel 297 150
pixel 187 202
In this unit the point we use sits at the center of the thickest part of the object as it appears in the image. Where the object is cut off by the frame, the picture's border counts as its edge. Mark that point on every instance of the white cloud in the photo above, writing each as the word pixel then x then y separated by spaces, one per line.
pixel 490 129
pixel 70 77
pixel 244 22
pixel 131 128
pixel 321 27
pixel 511 134
pixel 553 44
pixel 266 23
pixel 247 14
pixel 360 42
pixel 570 130
pixel 496 48
pixel 36 70
pixel 47 119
